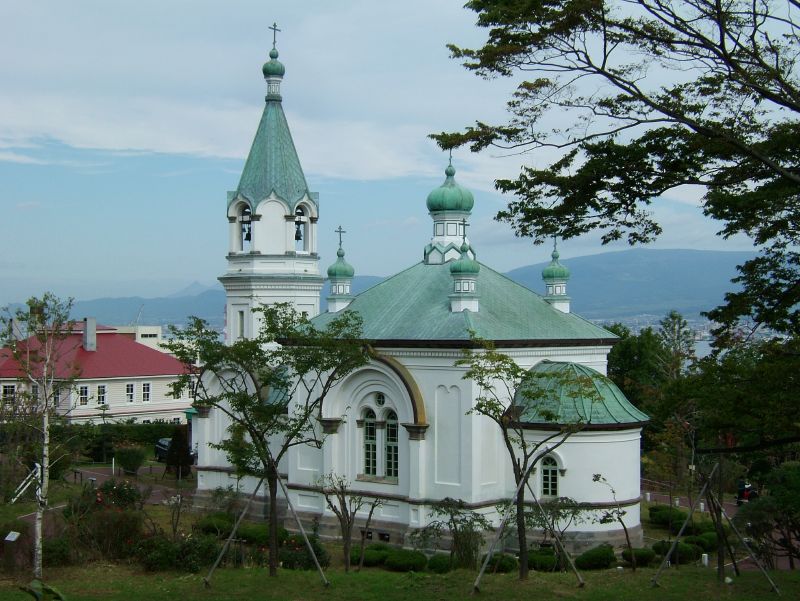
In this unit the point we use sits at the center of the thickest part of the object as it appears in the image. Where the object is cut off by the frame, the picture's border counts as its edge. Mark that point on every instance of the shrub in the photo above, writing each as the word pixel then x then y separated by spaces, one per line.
pixel 123 495
pixel 256 534
pixel 502 563
pixel 189 554
pixel 684 553
pixel 599 558
pixel 644 557
pixel 664 515
pixel 439 563
pixel 703 541
pixel 57 551
pixel 294 554
pixel 114 531
pixel 374 555
pixel 218 524
pixel 129 458
pixel 404 560
pixel 542 562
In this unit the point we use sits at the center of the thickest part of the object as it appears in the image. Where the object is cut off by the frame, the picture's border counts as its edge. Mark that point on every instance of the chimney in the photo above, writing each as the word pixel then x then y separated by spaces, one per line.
pixel 89 334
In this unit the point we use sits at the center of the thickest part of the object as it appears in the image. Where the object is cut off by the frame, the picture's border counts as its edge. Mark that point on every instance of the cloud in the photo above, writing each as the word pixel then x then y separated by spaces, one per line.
pixel 14 157
pixel 27 205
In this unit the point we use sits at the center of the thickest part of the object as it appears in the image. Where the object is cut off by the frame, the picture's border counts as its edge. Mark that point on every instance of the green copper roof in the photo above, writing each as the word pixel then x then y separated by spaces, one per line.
pixel 450 196
pixel 570 393
pixel 341 268
pixel 464 265
pixel 273 164
pixel 555 270
pixel 414 305
pixel 273 67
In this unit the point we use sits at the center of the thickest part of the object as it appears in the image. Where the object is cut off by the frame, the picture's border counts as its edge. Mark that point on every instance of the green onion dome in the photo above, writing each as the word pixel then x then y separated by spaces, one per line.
pixel 273 67
pixel 450 196
pixel 465 265
pixel 559 392
pixel 341 268
pixel 555 270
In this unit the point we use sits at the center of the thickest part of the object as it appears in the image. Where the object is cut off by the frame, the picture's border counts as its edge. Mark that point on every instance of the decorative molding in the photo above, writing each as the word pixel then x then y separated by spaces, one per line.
pixel 416 431
pixel 330 425
pixel 562 471
pixel 359 423
pixel 203 411
pixel 380 425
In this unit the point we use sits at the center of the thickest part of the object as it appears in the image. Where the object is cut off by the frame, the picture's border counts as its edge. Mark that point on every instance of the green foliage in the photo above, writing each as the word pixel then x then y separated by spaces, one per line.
pixel 684 553
pixel 405 560
pixel 542 560
pixel 440 563
pixel 707 541
pixel 121 494
pixel 637 127
pixel 130 459
pixel 57 551
pixel 218 524
pixel 636 365
pixel 666 516
pixel 601 557
pixel 294 553
pixel 464 526
pixel 644 557
pixel 98 440
pixel 502 563
pixel 374 554
pixel 189 554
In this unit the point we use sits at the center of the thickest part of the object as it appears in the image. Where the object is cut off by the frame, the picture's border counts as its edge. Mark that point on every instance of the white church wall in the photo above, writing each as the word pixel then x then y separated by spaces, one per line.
pixel 269 229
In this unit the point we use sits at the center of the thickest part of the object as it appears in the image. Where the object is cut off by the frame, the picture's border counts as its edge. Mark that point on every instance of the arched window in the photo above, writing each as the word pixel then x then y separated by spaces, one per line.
pixel 392 450
pixel 300 230
pixel 549 477
pixel 246 233
pixel 370 444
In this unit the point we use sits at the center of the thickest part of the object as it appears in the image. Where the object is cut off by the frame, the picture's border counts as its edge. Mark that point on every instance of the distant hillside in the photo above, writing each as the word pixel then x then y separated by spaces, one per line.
pixel 643 281
pixel 605 286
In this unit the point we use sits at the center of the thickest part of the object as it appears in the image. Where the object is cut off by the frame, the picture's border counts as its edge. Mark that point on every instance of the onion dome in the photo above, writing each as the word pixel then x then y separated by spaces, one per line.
pixel 341 268
pixel 555 270
pixel 273 67
pixel 464 265
pixel 450 196
pixel 559 393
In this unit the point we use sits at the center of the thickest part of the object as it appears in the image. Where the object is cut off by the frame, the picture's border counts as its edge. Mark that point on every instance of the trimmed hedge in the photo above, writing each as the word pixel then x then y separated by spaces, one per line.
pixel 130 459
pixel 439 563
pixel 189 554
pixel 404 560
pixel 601 557
pixel 502 563
pixel 644 557
pixel 707 541
pixel 294 554
pixel 219 524
pixel 57 551
pixel 685 553
pixel 374 554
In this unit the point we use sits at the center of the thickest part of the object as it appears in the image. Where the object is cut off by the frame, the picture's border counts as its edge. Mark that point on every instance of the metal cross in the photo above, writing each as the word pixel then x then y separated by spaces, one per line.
pixel 340 231
pixel 275 31
pixel 465 225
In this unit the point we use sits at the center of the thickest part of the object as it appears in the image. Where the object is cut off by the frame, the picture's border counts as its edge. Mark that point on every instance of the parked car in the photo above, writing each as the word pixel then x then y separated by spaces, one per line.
pixel 162 448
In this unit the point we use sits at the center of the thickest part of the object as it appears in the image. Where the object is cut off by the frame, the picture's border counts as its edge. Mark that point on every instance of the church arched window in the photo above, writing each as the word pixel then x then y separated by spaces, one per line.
pixel 370 444
pixel 549 477
pixel 392 449
pixel 246 232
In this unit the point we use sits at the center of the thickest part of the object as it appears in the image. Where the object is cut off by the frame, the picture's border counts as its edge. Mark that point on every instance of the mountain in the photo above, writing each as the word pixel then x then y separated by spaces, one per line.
pixel 643 281
pixel 607 286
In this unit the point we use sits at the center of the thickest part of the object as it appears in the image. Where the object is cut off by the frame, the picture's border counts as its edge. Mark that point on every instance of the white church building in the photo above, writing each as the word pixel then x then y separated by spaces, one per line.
pixel 399 428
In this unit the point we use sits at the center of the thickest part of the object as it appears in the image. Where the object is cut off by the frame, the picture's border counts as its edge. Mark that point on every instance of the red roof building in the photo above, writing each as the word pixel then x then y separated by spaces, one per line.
pixel 112 371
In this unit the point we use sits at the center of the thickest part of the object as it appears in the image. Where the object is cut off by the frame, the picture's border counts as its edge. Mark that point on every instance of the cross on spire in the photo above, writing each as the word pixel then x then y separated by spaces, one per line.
pixel 340 231
pixel 464 225
pixel 275 31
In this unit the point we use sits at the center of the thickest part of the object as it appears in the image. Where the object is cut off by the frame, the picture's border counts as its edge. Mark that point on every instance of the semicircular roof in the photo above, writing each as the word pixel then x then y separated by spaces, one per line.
pixel 559 392
pixel 412 308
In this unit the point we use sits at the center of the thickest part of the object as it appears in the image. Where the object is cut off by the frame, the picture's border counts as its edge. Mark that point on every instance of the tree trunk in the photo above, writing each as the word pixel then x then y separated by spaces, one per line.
pixel 41 501
pixel 272 482
pixel 522 535
pixel 628 542
pixel 347 543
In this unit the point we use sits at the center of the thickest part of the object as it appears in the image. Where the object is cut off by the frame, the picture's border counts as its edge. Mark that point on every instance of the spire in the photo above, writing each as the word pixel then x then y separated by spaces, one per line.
pixel 449 206
pixel 272 164
pixel 341 275
pixel 555 277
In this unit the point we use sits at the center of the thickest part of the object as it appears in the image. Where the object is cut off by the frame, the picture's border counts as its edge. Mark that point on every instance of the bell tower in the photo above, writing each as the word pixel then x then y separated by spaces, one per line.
pixel 272 222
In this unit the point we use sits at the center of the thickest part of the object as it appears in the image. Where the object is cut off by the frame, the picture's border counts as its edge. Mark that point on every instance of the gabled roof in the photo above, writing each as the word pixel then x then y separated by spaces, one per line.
pixel 117 356
pixel 273 164
pixel 414 307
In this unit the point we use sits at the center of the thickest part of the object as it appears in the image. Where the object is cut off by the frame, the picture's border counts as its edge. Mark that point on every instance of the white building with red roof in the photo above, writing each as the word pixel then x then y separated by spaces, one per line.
pixel 117 378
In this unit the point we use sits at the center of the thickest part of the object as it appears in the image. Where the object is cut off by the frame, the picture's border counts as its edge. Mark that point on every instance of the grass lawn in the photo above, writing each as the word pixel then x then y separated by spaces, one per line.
pixel 118 582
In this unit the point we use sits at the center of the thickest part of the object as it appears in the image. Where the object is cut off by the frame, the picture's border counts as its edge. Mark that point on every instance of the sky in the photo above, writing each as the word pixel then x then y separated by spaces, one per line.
pixel 124 124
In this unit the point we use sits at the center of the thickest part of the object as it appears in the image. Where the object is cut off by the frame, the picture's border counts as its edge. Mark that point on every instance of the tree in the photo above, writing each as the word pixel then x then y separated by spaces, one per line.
pixel 39 346
pixel 635 364
pixel 271 387
pixel 346 505
pixel 615 513
pixel 639 97
pixel 509 395
pixel 677 339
